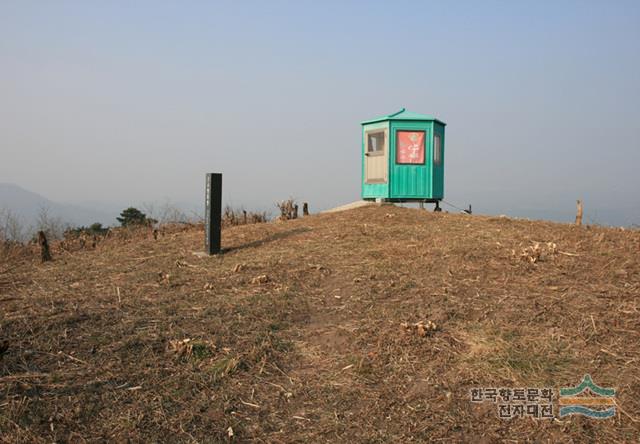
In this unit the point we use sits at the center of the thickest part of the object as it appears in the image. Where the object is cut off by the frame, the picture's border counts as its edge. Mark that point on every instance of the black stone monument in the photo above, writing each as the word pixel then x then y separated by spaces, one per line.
pixel 213 213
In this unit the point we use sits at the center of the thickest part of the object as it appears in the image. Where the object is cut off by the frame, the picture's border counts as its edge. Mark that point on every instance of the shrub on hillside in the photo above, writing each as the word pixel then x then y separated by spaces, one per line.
pixel 95 228
pixel 132 217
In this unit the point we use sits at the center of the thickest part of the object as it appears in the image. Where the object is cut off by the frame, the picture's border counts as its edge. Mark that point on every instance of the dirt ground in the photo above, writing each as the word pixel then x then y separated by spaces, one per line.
pixel 305 331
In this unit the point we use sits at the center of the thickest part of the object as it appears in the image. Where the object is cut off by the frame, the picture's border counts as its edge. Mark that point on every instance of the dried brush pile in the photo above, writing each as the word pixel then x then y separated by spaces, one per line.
pixel 232 217
pixel 288 209
pixel 11 251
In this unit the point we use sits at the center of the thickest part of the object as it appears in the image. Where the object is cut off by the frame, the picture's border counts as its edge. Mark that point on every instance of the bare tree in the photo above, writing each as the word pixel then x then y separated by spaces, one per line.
pixel 165 212
pixel 170 213
pixel 149 209
pixel 52 226
pixel 12 228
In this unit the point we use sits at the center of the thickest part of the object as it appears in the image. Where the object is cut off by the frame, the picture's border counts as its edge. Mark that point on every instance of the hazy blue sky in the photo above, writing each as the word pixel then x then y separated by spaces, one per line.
pixel 134 101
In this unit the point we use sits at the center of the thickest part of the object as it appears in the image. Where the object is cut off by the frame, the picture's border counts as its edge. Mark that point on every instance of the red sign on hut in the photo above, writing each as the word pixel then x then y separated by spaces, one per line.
pixel 410 147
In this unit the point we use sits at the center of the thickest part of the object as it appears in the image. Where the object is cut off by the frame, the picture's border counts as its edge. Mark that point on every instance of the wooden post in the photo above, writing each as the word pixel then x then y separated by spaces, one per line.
pixel 289 209
pixel 244 217
pixel 45 253
pixel 579 213
pixel 305 209
pixel 213 213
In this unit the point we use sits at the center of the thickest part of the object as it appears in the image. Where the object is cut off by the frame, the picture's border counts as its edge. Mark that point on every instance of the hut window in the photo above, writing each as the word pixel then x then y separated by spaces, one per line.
pixel 410 147
pixel 437 149
pixel 375 143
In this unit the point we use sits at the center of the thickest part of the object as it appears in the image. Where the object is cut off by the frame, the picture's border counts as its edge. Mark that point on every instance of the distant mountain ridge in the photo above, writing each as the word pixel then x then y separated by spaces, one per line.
pixel 26 205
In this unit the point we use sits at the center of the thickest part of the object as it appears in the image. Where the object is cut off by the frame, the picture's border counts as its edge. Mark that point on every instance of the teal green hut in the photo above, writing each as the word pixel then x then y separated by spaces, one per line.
pixel 403 158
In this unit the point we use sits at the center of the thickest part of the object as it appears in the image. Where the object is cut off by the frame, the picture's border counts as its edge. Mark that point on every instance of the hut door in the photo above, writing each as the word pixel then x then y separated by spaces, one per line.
pixel 376 154
pixel 410 169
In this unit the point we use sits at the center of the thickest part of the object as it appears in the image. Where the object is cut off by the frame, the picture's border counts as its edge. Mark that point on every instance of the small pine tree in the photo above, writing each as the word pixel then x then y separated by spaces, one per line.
pixel 97 228
pixel 132 216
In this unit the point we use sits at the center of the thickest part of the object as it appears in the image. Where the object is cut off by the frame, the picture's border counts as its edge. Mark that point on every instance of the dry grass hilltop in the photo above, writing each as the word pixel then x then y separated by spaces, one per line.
pixel 368 325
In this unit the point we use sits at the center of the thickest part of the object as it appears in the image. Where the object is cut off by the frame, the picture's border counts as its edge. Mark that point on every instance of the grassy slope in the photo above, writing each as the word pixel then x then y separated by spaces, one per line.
pixel 315 351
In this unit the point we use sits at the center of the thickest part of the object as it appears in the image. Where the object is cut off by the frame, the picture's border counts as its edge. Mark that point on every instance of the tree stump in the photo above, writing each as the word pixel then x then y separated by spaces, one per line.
pixel 45 253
